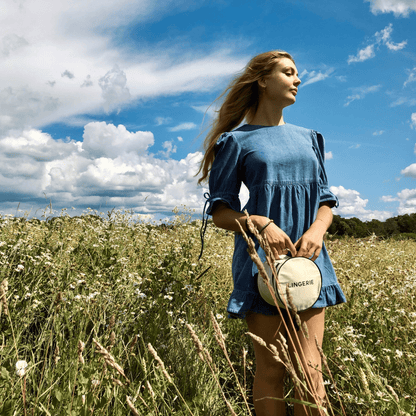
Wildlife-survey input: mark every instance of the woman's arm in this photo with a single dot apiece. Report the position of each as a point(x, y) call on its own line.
point(310, 244)
point(279, 241)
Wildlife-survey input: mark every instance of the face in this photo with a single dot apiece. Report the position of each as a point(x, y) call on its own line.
point(281, 86)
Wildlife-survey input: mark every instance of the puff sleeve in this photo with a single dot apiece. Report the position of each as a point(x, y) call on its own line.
point(225, 179)
point(325, 194)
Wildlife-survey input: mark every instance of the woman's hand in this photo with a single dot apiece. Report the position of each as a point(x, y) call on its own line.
point(310, 244)
point(279, 242)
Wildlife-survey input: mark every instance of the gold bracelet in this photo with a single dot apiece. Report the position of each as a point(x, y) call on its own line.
point(261, 229)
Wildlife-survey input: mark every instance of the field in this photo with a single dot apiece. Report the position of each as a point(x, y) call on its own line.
point(114, 316)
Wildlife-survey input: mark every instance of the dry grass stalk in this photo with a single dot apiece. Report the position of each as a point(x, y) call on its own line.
point(117, 382)
point(112, 340)
point(391, 390)
point(257, 339)
point(56, 356)
point(112, 322)
point(81, 346)
point(133, 342)
point(364, 381)
point(109, 359)
point(4, 285)
point(131, 406)
point(161, 363)
point(325, 363)
point(203, 353)
point(305, 330)
point(149, 387)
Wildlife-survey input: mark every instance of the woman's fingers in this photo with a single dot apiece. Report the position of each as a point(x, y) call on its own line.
point(279, 241)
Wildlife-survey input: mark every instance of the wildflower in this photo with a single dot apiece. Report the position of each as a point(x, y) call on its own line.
point(140, 294)
point(21, 368)
point(20, 268)
point(168, 297)
point(399, 354)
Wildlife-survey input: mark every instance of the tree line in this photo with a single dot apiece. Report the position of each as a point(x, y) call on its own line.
point(402, 225)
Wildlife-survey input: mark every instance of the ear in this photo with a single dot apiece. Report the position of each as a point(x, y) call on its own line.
point(262, 83)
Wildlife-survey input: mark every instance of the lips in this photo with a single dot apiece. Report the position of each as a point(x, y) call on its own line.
point(294, 91)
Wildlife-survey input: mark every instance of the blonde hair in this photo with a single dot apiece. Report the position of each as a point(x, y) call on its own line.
point(240, 102)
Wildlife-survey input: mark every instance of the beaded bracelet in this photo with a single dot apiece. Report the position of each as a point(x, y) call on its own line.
point(265, 226)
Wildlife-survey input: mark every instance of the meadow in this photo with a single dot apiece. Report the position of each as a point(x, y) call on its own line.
point(109, 315)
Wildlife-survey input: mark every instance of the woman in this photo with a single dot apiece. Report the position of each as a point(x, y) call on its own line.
point(282, 166)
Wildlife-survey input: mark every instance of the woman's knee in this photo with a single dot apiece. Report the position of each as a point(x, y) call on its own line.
point(270, 371)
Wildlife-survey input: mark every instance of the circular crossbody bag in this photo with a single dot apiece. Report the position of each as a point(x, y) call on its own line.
point(300, 275)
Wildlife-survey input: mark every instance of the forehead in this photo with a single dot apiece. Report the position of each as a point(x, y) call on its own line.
point(284, 63)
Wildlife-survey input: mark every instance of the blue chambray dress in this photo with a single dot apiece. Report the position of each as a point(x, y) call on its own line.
point(283, 168)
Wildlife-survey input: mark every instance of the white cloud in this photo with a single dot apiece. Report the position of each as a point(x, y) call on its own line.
point(314, 76)
point(411, 77)
point(169, 148)
point(352, 205)
point(398, 7)
point(328, 155)
point(360, 92)
point(183, 126)
point(409, 171)
point(406, 199)
point(380, 38)
point(114, 90)
point(362, 55)
point(413, 121)
point(378, 133)
point(180, 139)
point(162, 120)
point(404, 100)
point(111, 167)
point(384, 37)
point(39, 44)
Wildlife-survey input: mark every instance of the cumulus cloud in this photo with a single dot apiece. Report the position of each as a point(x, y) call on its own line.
point(361, 92)
point(352, 205)
point(406, 199)
point(410, 171)
point(383, 37)
point(110, 167)
point(398, 7)
point(114, 90)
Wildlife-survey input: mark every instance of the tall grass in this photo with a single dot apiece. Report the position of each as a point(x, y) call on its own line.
point(115, 316)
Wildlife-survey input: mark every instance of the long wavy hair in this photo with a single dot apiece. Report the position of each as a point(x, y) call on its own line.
point(241, 100)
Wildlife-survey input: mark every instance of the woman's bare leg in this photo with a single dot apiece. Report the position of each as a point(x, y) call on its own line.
point(315, 321)
point(269, 377)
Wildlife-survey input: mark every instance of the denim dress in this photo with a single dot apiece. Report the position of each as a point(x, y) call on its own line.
point(283, 169)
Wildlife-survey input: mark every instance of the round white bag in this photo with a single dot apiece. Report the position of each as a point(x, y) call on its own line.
point(301, 275)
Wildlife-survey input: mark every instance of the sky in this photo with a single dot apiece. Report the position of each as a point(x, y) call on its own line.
point(104, 104)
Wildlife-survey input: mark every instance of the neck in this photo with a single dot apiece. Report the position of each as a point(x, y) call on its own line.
point(267, 115)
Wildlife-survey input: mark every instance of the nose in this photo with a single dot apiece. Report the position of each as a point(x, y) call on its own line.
point(297, 81)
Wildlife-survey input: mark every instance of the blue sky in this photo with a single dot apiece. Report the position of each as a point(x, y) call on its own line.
point(102, 103)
